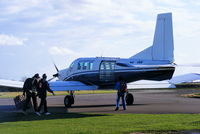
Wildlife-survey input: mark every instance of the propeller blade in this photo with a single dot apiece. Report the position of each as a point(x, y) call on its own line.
point(56, 67)
point(54, 64)
point(51, 79)
point(55, 75)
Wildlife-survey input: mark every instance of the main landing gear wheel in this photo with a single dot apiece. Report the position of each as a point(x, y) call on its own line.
point(68, 101)
point(129, 99)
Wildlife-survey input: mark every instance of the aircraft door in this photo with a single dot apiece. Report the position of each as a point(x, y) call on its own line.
point(106, 71)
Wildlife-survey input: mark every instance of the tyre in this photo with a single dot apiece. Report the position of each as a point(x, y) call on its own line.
point(129, 99)
point(68, 101)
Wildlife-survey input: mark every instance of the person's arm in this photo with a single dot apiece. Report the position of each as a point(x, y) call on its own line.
point(24, 87)
point(48, 88)
point(117, 86)
point(24, 92)
point(126, 87)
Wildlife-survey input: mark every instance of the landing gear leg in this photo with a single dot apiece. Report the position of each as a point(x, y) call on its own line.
point(69, 99)
point(129, 99)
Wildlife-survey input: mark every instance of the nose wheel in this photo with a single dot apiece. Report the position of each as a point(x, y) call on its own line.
point(68, 101)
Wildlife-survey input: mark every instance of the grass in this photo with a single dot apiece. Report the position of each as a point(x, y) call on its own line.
point(103, 91)
point(196, 95)
point(85, 123)
point(13, 94)
point(79, 123)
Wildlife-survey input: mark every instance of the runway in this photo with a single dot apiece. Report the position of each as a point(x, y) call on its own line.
point(146, 101)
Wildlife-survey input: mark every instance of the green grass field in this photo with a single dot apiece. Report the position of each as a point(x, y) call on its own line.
point(85, 123)
point(79, 123)
point(13, 94)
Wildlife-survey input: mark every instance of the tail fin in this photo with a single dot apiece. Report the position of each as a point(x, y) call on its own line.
point(163, 44)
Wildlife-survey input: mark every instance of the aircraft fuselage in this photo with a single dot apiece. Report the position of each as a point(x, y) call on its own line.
point(105, 71)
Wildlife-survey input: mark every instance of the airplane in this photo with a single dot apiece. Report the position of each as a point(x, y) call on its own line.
point(153, 63)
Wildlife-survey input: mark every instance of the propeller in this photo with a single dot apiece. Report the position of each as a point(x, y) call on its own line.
point(55, 75)
point(56, 67)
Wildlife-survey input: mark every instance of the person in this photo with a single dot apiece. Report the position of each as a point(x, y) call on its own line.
point(121, 87)
point(42, 93)
point(29, 90)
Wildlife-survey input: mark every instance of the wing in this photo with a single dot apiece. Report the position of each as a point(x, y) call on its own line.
point(184, 78)
point(10, 85)
point(70, 86)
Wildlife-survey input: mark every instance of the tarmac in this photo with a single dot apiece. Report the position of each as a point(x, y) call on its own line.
point(146, 102)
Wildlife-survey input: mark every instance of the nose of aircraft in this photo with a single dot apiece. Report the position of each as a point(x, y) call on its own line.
point(55, 75)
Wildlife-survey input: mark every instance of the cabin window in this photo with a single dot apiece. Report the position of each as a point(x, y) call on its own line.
point(90, 65)
point(112, 65)
point(85, 65)
point(107, 65)
point(80, 65)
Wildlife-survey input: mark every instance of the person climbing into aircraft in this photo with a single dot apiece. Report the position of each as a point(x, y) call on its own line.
point(29, 90)
point(121, 87)
point(42, 93)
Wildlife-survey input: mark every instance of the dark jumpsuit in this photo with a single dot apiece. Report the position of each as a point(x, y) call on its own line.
point(42, 93)
point(29, 89)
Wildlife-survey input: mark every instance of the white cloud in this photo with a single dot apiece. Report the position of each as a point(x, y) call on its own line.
point(55, 50)
point(175, 3)
point(10, 40)
point(97, 27)
point(16, 6)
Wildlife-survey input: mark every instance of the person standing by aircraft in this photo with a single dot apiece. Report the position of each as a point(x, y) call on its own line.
point(121, 87)
point(29, 90)
point(42, 93)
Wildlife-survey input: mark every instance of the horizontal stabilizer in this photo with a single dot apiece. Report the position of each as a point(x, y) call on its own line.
point(70, 86)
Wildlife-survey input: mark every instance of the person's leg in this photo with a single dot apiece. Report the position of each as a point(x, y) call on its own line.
point(45, 106)
point(28, 98)
point(41, 104)
point(34, 98)
point(124, 102)
point(117, 102)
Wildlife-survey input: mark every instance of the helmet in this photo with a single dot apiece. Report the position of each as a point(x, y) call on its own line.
point(44, 76)
point(36, 76)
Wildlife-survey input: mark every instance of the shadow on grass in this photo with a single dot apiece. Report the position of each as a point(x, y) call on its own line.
point(108, 105)
point(57, 113)
point(195, 131)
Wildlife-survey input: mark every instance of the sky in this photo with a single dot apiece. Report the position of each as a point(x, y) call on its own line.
point(35, 33)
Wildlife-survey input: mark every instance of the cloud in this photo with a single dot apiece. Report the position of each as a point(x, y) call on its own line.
point(16, 6)
point(10, 40)
point(55, 50)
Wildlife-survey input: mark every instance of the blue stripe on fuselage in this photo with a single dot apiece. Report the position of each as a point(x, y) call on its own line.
point(119, 71)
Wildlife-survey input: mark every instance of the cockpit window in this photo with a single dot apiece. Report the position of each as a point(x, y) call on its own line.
point(85, 65)
point(71, 66)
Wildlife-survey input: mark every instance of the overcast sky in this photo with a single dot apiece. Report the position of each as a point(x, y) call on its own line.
point(32, 32)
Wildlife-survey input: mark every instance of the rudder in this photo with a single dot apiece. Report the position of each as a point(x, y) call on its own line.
point(163, 44)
